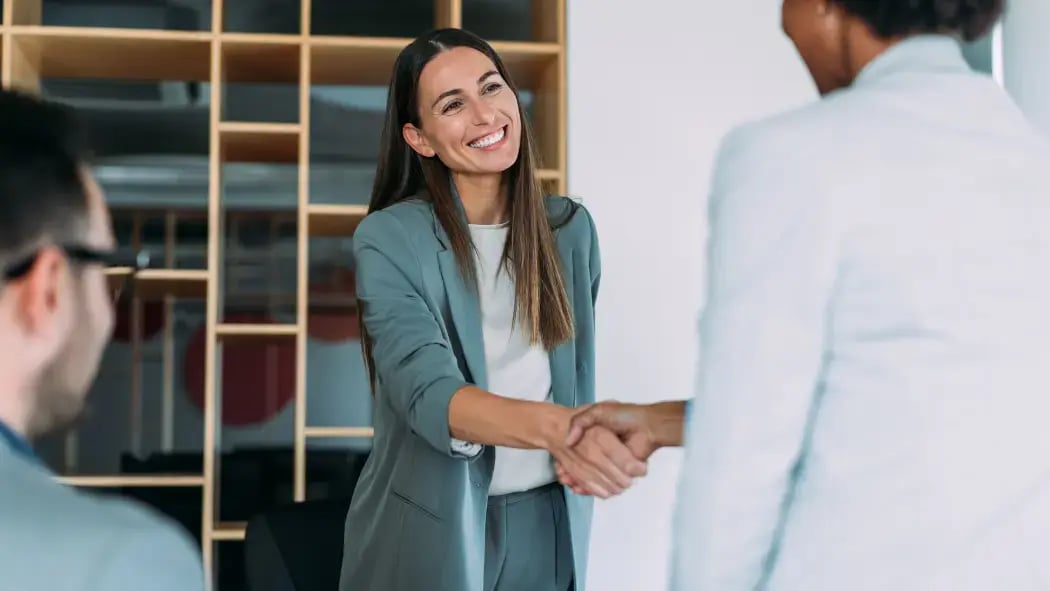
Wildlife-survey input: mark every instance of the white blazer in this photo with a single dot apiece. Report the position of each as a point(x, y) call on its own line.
point(873, 410)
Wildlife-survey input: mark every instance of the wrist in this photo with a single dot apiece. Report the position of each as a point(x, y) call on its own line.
point(552, 425)
point(667, 423)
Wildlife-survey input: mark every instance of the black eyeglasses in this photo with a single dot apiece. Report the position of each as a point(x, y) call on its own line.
point(85, 255)
point(134, 263)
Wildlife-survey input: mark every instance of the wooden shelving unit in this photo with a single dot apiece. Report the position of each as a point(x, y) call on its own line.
point(31, 52)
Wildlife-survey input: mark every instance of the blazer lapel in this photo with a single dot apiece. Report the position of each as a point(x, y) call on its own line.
point(466, 317)
point(463, 303)
point(563, 357)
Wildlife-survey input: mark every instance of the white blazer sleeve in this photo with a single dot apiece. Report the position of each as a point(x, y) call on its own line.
point(771, 268)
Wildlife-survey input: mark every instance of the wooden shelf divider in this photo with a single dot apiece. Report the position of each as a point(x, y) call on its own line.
point(134, 481)
point(254, 333)
point(338, 432)
point(212, 439)
point(157, 283)
point(228, 532)
point(302, 271)
point(448, 13)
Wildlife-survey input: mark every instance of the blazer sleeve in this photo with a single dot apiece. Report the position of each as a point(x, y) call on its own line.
point(414, 362)
point(771, 269)
point(157, 558)
point(595, 258)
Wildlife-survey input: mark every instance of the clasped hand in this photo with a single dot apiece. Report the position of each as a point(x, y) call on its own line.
point(605, 447)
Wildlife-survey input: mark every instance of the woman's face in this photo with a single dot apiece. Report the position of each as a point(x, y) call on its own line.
point(468, 114)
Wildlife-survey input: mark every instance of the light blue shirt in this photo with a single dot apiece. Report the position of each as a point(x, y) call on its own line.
point(56, 538)
point(875, 376)
point(16, 442)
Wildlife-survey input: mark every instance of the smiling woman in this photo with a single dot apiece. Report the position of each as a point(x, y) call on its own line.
point(476, 297)
point(485, 143)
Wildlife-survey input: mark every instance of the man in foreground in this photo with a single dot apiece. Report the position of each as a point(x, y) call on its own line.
point(56, 315)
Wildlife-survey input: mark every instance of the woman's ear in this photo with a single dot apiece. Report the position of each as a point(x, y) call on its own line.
point(416, 140)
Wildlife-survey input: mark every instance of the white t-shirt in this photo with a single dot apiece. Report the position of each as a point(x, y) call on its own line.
point(515, 368)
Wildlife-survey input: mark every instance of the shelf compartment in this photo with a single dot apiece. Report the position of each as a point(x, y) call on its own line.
point(250, 57)
point(369, 61)
point(518, 20)
point(386, 18)
point(134, 481)
point(260, 142)
point(114, 54)
point(151, 284)
point(327, 220)
point(255, 333)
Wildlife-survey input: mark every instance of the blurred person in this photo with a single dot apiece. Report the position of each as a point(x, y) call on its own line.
point(871, 412)
point(56, 316)
point(477, 297)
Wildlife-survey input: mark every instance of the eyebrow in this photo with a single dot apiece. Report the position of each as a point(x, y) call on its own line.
point(454, 91)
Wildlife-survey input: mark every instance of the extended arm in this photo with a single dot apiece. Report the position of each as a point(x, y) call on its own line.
point(418, 370)
point(484, 417)
point(771, 269)
point(646, 427)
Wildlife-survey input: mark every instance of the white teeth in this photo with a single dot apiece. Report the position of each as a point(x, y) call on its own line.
point(488, 140)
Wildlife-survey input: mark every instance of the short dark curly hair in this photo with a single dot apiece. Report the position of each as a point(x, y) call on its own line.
point(969, 19)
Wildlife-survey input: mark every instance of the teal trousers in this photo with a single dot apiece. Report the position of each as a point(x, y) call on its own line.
point(528, 547)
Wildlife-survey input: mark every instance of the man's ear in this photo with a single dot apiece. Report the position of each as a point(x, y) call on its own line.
point(417, 141)
point(39, 294)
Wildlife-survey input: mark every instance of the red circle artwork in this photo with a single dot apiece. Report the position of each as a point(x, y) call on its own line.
point(258, 379)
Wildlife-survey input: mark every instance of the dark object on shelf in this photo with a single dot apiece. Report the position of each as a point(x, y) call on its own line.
point(296, 547)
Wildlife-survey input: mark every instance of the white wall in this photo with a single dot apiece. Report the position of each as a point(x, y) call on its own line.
point(1026, 58)
point(653, 86)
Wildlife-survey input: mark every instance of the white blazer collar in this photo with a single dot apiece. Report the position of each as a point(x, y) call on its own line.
point(920, 53)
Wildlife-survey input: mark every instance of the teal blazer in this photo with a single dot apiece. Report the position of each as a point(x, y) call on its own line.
point(417, 519)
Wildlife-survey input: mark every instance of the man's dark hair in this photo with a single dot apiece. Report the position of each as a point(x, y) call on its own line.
point(42, 194)
point(968, 19)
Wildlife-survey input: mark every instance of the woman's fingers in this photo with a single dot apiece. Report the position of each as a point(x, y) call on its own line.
point(603, 469)
point(620, 454)
point(586, 475)
point(568, 480)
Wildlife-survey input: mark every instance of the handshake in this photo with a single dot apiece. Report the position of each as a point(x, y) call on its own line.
point(607, 445)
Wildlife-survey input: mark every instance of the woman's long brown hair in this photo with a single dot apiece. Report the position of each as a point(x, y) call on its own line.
point(531, 256)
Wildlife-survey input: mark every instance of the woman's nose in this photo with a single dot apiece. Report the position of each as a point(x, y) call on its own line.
point(484, 114)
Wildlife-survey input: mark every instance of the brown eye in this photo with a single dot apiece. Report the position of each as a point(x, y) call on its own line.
point(451, 106)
